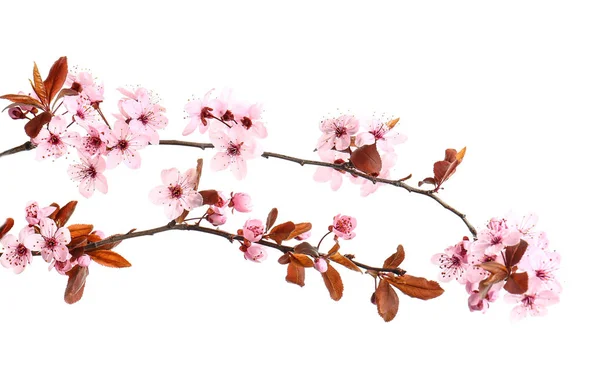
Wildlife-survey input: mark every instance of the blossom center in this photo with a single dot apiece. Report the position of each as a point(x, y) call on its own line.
point(247, 123)
point(51, 243)
point(205, 114)
point(53, 139)
point(91, 172)
point(144, 119)
point(123, 144)
point(176, 191)
point(21, 250)
point(234, 150)
point(496, 240)
point(227, 116)
point(378, 133)
point(344, 225)
point(340, 131)
point(542, 275)
point(528, 301)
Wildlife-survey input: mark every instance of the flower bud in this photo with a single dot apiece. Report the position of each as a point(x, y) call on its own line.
point(241, 202)
point(321, 265)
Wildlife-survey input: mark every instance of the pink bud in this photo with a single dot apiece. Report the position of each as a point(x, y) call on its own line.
point(16, 113)
point(216, 218)
point(100, 234)
point(241, 202)
point(303, 236)
point(321, 265)
point(256, 253)
point(84, 260)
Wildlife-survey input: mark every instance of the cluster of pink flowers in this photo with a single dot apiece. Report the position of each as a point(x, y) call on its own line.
point(98, 145)
point(41, 235)
point(233, 128)
point(343, 133)
point(462, 262)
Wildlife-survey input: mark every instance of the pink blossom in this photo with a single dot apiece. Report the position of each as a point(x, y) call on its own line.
point(337, 132)
point(52, 142)
point(16, 113)
point(124, 146)
point(80, 109)
point(253, 230)
point(380, 133)
point(51, 241)
point(33, 213)
point(95, 142)
point(541, 267)
point(222, 106)
point(200, 113)
point(89, 174)
point(86, 85)
point(249, 118)
point(216, 216)
point(16, 255)
point(256, 253)
point(177, 192)
point(454, 263)
point(233, 147)
point(475, 273)
point(241, 202)
point(496, 237)
point(326, 174)
point(143, 116)
point(62, 267)
point(343, 226)
point(321, 264)
point(533, 304)
point(478, 303)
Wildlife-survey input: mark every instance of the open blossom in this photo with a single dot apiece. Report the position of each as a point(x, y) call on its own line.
point(95, 140)
point(326, 174)
point(233, 147)
point(144, 117)
point(343, 226)
point(541, 267)
point(454, 262)
point(533, 304)
point(200, 113)
point(337, 132)
point(177, 192)
point(124, 146)
point(51, 241)
point(379, 132)
point(253, 230)
point(53, 141)
point(62, 267)
point(86, 85)
point(80, 109)
point(496, 237)
point(249, 118)
point(33, 212)
point(89, 174)
point(256, 253)
point(16, 255)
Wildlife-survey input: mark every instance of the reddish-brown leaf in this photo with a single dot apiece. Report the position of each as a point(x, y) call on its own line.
point(302, 259)
point(367, 159)
point(514, 253)
point(56, 77)
point(498, 273)
point(333, 250)
point(209, 197)
point(387, 301)
point(65, 213)
point(306, 248)
point(78, 230)
point(442, 170)
point(55, 212)
point(284, 259)
point(346, 262)
point(416, 287)
point(66, 92)
point(38, 85)
point(391, 123)
point(35, 125)
point(93, 237)
point(5, 228)
point(333, 282)
point(271, 218)
point(395, 259)
point(75, 284)
point(109, 258)
point(300, 228)
point(280, 232)
point(23, 99)
point(295, 273)
point(517, 283)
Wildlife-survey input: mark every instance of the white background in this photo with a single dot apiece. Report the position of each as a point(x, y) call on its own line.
point(516, 82)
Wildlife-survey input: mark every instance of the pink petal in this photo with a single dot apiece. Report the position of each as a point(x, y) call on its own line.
point(101, 183)
point(169, 177)
point(219, 161)
point(160, 195)
point(239, 168)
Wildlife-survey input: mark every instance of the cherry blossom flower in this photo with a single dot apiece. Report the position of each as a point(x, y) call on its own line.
point(53, 141)
point(326, 174)
point(321, 264)
point(89, 174)
point(541, 267)
point(303, 236)
point(343, 226)
point(80, 110)
point(454, 262)
point(495, 237)
point(256, 253)
point(253, 230)
point(124, 146)
point(16, 255)
point(200, 113)
point(249, 118)
point(380, 133)
point(241, 202)
point(62, 267)
point(177, 192)
point(143, 116)
point(51, 241)
point(33, 212)
point(531, 303)
point(216, 216)
point(86, 85)
point(95, 140)
point(233, 148)
point(337, 132)
point(222, 106)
